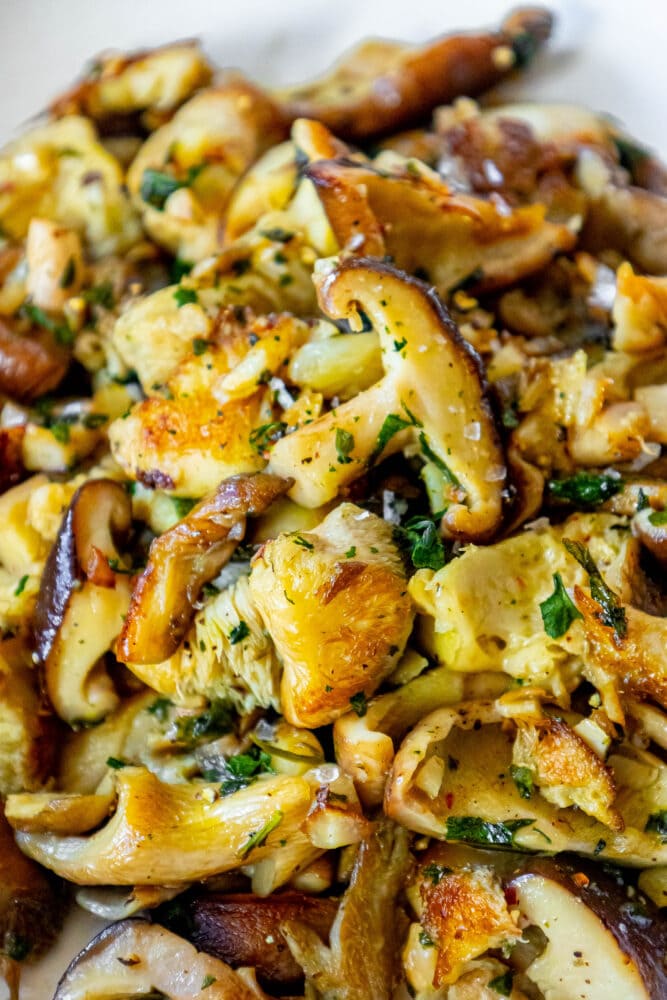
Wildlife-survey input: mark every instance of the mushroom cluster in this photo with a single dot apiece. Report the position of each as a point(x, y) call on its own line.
point(333, 534)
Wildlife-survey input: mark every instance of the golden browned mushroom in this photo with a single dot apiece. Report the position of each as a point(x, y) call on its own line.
point(243, 929)
point(136, 959)
point(163, 834)
point(82, 600)
point(362, 958)
point(383, 86)
point(630, 220)
point(183, 559)
point(31, 364)
point(409, 213)
point(432, 395)
point(122, 84)
point(652, 533)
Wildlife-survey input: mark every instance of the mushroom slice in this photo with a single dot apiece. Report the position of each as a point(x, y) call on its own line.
point(31, 364)
point(30, 906)
point(82, 600)
point(122, 84)
point(630, 220)
point(362, 959)
point(244, 930)
point(136, 959)
point(382, 86)
point(408, 212)
point(602, 942)
point(433, 392)
point(365, 744)
point(183, 559)
point(452, 780)
point(652, 533)
point(166, 833)
point(58, 812)
point(635, 660)
point(335, 603)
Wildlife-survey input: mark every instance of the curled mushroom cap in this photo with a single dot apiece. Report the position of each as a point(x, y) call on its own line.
point(183, 559)
point(433, 393)
point(30, 364)
point(135, 959)
point(408, 212)
point(382, 86)
point(166, 833)
point(82, 600)
point(652, 533)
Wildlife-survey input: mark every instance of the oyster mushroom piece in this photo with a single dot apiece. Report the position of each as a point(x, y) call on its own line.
point(652, 533)
point(382, 86)
point(163, 834)
point(432, 395)
point(335, 603)
point(136, 959)
point(82, 600)
point(183, 559)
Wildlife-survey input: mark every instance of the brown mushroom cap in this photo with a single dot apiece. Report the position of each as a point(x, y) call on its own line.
point(30, 364)
point(383, 86)
point(186, 557)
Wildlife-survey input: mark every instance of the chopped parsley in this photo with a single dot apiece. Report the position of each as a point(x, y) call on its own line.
point(259, 838)
point(239, 633)
point(60, 330)
point(216, 720)
point(558, 610)
point(160, 708)
point(207, 981)
point(392, 424)
point(20, 586)
point(116, 763)
point(502, 984)
point(658, 518)
point(182, 506)
point(435, 873)
point(199, 346)
point(242, 770)
point(179, 268)
point(93, 421)
point(657, 823)
point(156, 185)
point(613, 612)
point(344, 445)
point(184, 296)
point(474, 830)
point(429, 454)
point(277, 234)
point(400, 344)
point(60, 430)
point(359, 703)
point(421, 540)
point(303, 542)
point(425, 939)
point(523, 779)
point(585, 489)
point(267, 434)
point(351, 552)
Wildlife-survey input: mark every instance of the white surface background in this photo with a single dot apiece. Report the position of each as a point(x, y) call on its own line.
point(608, 54)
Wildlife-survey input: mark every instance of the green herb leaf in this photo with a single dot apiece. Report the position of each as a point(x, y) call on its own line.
point(60, 430)
point(184, 296)
point(400, 344)
point(20, 586)
point(60, 330)
point(642, 500)
point(16, 946)
point(523, 779)
point(242, 770)
point(658, 518)
point(558, 610)
point(435, 873)
point(160, 708)
point(351, 552)
point(630, 154)
point(93, 421)
point(100, 295)
point(502, 984)
point(657, 823)
point(585, 489)
point(344, 445)
point(421, 539)
point(200, 346)
point(428, 453)
point(613, 612)
point(262, 437)
point(182, 506)
point(207, 981)
point(425, 939)
point(156, 186)
point(116, 763)
point(258, 838)
point(69, 274)
point(277, 234)
point(217, 720)
point(239, 633)
point(359, 703)
point(179, 268)
point(392, 424)
point(474, 830)
point(303, 542)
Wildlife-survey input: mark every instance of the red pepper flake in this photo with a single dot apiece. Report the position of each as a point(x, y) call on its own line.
point(449, 799)
point(511, 897)
point(581, 880)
